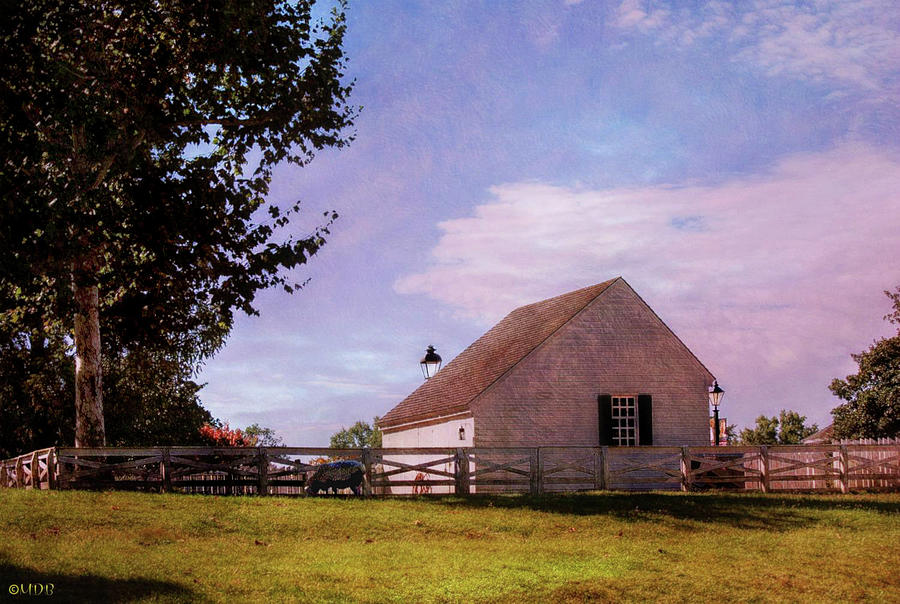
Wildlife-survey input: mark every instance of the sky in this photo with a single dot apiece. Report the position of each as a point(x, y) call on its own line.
point(738, 164)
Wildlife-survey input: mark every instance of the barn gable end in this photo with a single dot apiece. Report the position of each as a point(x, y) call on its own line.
point(616, 345)
point(538, 377)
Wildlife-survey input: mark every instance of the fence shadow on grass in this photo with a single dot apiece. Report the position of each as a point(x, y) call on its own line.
point(87, 587)
point(771, 513)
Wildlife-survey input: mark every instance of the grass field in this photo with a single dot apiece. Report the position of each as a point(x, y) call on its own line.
point(113, 547)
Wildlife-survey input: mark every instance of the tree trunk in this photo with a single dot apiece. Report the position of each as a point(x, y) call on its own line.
point(89, 428)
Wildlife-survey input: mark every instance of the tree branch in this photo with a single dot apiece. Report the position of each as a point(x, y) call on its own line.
point(108, 162)
point(224, 121)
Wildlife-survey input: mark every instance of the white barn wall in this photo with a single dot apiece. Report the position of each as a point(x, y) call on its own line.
point(442, 434)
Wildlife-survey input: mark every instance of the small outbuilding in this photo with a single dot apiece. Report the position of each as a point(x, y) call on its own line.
point(593, 367)
point(825, 436)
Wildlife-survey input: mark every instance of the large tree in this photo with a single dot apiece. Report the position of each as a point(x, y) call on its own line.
point(872, 394)
point(138, 142)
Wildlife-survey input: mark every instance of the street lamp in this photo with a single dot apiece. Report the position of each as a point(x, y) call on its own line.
point(715, 397)
point(430, 363)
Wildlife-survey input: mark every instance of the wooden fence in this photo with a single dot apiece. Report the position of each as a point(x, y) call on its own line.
point(399, 471)
point(36, 470)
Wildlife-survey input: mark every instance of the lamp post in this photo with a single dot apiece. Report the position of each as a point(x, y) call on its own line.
point(430, 363)
point(715, 397)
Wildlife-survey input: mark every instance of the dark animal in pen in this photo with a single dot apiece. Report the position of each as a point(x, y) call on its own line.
point(336, 475)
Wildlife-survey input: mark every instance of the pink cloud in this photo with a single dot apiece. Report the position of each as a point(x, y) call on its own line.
point(772, 279)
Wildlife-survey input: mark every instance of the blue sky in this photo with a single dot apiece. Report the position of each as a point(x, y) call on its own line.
point(737, 163)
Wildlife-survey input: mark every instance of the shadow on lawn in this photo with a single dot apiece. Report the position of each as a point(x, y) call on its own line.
point(86, 587)
point(774, 513)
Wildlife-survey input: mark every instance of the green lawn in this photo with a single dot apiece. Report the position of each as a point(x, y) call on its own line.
point(112, 547)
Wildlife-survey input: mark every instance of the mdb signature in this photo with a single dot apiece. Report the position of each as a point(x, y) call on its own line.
point(31, 589)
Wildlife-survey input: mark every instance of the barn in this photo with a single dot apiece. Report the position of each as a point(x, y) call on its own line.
point(592, 367)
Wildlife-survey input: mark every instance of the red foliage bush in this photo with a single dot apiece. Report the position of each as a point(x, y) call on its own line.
point(223, 436)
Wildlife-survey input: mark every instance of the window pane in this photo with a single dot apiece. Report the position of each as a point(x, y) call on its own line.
point(624, 414)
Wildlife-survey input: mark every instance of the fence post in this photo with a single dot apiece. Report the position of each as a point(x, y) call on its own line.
point(51, 469)
point(367, 464)
point(534, 472)
point(35, 471)
point(467, 486)
point(845, 469)
point(229, 482)
point(20, 473)
point(764, 468)
point(60, 479)
point(598, 472)
point(540, 457)
point(686, 477)
point(604, 469)
point(462, 472)
point(165, 472)
point(262, 470)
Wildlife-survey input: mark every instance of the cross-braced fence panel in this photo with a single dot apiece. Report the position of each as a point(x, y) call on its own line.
point(415, 471)
point(875, 467)
point(733, 468)
point(504, 469)
point(644, 468)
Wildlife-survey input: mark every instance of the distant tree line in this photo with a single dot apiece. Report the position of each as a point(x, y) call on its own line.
point(358, 436)
point(872, 398)
point(788, 428)
point(216, 434)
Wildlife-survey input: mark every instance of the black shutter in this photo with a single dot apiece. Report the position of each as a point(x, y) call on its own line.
point(604, 412)
point(645, 418)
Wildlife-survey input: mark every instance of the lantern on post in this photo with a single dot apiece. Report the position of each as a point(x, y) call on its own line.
point(715, 397)
point(430, 363)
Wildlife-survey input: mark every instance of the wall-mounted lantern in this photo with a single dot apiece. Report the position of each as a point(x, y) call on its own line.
point(462, 433)
point(431, 363)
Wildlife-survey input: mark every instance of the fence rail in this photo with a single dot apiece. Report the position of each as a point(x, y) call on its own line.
point(399, 471)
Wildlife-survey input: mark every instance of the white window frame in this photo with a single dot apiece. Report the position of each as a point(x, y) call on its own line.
point(625, 420)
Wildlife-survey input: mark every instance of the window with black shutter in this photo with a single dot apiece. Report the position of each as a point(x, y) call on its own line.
point(604, 412)
point(626, 420)
point(645, 419)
